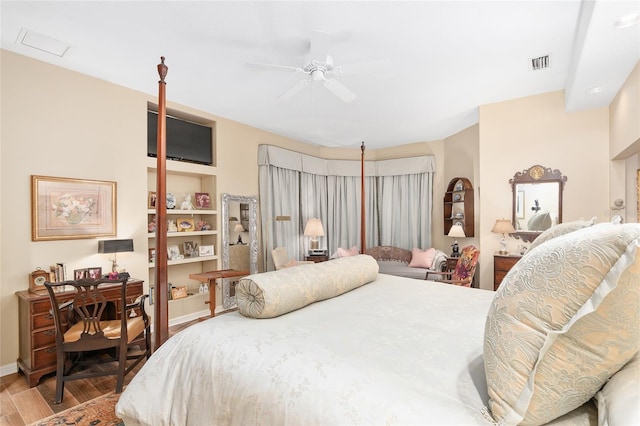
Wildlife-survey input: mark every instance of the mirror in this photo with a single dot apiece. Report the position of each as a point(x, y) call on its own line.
point(239, 240)
point(537, 201)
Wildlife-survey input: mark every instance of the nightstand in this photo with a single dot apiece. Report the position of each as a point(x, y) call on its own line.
point(502, 263)
point(451, 263)
point(317, 258)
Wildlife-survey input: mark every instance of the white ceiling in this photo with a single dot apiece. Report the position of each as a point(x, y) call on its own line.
point(438, 60)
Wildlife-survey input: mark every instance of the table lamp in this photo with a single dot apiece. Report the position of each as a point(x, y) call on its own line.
point(239, 228)
point(503, 226)
point(314, 230)
point(456, 231)
point(115, 247)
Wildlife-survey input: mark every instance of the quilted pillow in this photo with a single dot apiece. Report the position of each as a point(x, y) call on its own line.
point(561, 229)
point(564, 320)
point(270, 294)
point(348, 252)
point(422, 259)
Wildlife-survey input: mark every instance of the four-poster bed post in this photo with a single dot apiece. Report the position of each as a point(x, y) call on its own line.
point(161, 310)
point(362, 203)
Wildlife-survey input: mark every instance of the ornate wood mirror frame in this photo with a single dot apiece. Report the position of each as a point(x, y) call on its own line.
point(537, 201)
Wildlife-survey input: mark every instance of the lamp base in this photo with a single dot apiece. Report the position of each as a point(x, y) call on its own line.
point(503, 252)
point(313, 244)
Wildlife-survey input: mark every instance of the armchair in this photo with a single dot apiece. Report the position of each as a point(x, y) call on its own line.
point(281, 259)
point(85, 324)
point(465, 269)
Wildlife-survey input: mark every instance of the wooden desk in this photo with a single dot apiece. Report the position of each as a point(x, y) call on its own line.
point(37, 334)
point(210, 279)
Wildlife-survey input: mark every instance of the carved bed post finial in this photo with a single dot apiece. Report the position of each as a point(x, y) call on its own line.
point(162, 69)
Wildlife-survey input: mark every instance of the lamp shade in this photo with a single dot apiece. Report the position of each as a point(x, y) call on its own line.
point(503, 226)
point(456, 231)
point(115, 246)
point(314, 228)
point(238, 228)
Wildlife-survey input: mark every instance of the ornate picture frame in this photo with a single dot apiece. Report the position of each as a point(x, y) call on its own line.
point(67, 208)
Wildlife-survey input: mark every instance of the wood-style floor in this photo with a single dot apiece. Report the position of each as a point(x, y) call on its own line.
point(21, 405)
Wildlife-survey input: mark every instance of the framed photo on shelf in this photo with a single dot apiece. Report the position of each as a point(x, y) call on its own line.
point(205, 251)
point(173, 252)
point(65, 208)
point(202, 200)
point(190, 249)
point(152, 255)
point(151, 201)
point(186, 225)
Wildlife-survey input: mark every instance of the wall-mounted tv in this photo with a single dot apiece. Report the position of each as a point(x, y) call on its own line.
point(186, 141)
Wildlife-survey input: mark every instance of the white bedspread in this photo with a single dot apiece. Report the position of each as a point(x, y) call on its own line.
point(394, 351)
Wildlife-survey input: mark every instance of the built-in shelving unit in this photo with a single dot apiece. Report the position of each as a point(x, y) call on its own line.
point(458, 206)
point(182, 179)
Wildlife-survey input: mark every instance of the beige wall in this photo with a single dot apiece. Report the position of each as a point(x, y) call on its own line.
point(517, 134)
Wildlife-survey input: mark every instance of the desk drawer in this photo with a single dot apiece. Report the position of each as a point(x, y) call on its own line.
point(44, 337)
point(44, 357)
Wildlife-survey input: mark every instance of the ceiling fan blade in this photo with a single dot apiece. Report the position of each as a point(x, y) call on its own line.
point(273, 67)
point(365, 67)
point(319, 45)
point(339, 90)
point(294, 90)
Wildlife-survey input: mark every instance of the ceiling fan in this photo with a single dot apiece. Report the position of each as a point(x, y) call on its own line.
point(320, 68)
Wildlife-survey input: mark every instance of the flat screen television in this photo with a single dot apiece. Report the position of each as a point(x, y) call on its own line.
point(186, 141)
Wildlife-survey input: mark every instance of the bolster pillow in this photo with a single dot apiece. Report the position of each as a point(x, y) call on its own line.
point(270, 294)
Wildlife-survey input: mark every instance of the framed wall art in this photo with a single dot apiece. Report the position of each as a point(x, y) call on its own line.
point(65, 208)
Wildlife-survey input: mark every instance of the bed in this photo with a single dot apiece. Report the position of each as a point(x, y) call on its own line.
point(339, 343)
point(394, 351)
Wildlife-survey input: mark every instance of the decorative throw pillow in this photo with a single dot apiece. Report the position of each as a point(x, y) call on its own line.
point(564, 320)
point(274, 293)
point(422, 259)
point(348, 252)
point(619, 400)
point(561, 229)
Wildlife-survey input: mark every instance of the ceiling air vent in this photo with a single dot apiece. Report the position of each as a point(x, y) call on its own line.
point(539, 63)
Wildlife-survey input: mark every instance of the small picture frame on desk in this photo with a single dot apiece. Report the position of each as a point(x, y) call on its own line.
point(94, 273)
point(79, 274)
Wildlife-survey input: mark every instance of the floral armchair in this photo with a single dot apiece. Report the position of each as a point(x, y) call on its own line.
point(462, 274)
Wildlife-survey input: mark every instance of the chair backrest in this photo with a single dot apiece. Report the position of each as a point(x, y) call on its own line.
point(89, 311)
point(280, 257)
point(466, 266)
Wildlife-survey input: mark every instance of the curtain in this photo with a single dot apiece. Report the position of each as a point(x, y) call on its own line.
point(398, 201)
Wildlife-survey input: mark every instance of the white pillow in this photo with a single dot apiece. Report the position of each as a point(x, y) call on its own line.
point(619, 399)
point(348, 252)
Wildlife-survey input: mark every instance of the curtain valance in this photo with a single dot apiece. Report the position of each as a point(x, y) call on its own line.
point(292, 160)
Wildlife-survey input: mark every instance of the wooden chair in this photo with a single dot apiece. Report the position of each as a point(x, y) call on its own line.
point(86, 324)
point(281, 259)
point(465, 269)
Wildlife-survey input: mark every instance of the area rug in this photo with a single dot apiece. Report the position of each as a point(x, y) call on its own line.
point(99, 411)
